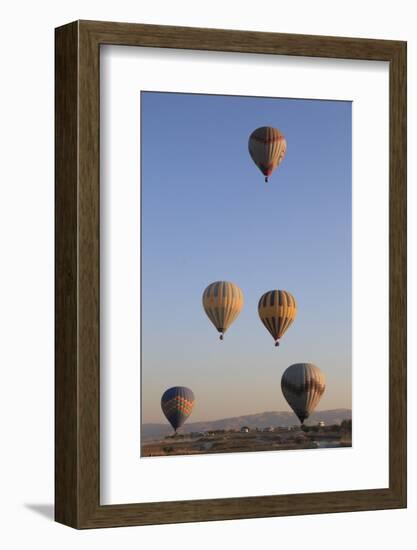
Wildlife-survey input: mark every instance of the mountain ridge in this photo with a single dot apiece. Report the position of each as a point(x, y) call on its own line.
point(258, 420)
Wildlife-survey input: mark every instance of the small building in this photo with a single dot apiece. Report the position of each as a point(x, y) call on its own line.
point(321, 424)
point(244, 429)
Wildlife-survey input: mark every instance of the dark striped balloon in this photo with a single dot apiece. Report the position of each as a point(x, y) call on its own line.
point(177, 404)
point(277, 310)
point(303, 385)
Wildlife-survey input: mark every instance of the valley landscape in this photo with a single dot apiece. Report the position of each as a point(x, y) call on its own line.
point(258, 432)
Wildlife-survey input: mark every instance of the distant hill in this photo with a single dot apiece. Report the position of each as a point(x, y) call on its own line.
point(261, 420)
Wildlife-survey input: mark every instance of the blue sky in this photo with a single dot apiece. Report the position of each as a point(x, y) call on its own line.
point(207, 215)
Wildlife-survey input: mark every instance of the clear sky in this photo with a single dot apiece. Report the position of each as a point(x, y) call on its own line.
point(207, 215)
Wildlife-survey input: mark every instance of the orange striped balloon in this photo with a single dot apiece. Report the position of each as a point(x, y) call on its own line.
point(222, 302)
point(277, 310)
point(267, 147)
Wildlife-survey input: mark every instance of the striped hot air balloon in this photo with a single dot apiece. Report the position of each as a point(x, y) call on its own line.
point(277, 310)
point(267, 147)
point(303, 384)
point(177, 404)
point(222, 301)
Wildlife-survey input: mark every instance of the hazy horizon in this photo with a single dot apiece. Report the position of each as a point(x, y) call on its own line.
point(287, 410)
point(207, 215)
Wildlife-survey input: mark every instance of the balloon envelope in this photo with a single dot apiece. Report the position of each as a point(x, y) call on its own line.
point(177, 404)
point(277, 310)
point(222, 302)
point(267, 147)
point(303, 385)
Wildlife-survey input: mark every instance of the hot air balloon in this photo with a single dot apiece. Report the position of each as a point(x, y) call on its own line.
point(303, 384)
point(277, 310)
point(267, 147)
point(222, 301)
point(177, 404)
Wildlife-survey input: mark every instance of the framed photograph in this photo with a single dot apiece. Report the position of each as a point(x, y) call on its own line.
point(230, 274)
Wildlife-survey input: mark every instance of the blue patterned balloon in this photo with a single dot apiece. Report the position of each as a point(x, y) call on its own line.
point(177, 404)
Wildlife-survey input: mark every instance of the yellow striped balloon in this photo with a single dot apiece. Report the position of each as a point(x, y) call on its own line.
point(222, 302)
point(277, 310)
point(267, 147)
point(303, 385)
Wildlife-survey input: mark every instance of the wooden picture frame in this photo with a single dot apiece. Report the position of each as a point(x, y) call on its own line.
point(77, 406)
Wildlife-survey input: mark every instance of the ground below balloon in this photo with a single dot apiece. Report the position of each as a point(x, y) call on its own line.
point(250, 438)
